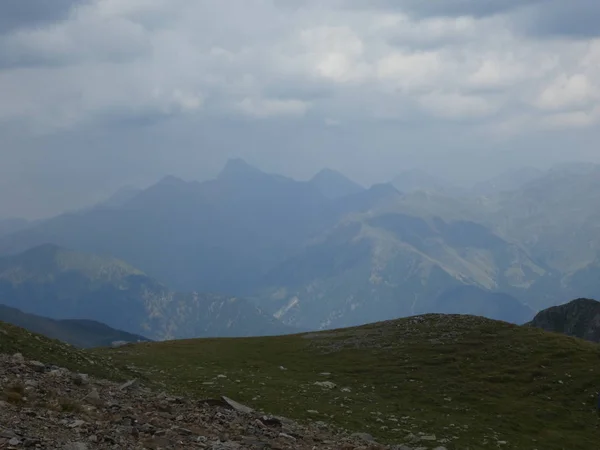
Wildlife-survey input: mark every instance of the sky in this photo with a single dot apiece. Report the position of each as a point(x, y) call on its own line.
point(97, 94)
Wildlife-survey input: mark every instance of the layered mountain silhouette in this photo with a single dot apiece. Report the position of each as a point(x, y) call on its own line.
point(61, 284)
point(319, 253)
point(77, 332)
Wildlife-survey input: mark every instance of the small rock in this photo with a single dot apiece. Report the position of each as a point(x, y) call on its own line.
point(18, 358)
point(237, 406)
point(93, 398)
point(128, 385)
point(326, 384)
point(431, 437)
point(81, 379)
point(76, 423)
point(14, 442)
point(287, 436)
point(38, 366)
point(363, 437)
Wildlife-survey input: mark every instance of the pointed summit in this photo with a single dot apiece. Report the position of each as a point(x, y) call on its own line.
point(334, 185)
point(238, 168)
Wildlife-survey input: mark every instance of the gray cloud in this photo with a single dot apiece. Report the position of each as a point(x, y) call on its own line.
point(444, 8)
point(578, 19)
point(575, 18)
point(116, 92)
point(17, 14)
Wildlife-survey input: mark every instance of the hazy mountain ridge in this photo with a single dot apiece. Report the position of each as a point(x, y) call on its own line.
point(79, 333)
point(62, 284)
point(391, 265)
point(369, 255)
point(218, 235)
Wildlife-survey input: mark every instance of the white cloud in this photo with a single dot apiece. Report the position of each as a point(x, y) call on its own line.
point(567, 92)
point(407, 70)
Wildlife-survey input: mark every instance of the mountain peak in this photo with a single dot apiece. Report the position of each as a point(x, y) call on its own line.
point(170, 180)
point(236, 167)
point(334, 184)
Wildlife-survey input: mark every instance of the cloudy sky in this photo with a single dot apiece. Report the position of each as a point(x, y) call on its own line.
point(95, 94)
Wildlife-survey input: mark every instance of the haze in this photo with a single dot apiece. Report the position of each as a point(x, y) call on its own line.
point(104, 93)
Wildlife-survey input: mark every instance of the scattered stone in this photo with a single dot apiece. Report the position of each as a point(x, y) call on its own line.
point(364, 437)
point(237, 406)
point(287, 436)
point(326, 384)
point(128, 384)
point(73, 411)
point(38, 366)
point(76, 423)
point(428, 438)
point(81, 379)
point(93, 398)
point(18, 358)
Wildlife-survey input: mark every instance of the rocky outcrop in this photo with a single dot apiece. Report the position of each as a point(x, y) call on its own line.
point(44, 406)
point(579, 318)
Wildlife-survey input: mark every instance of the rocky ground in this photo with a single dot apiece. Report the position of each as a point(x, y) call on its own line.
point(47, 407)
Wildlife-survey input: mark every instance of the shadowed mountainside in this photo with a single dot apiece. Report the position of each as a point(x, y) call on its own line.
point(79, 333)
point(579, 318)
point(63, 284)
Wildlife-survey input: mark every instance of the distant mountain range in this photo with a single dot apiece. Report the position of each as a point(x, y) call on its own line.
point(79, 333)
point(60, 284)
point(313, 254)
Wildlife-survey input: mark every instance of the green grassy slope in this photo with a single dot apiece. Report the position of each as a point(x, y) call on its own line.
point(473, 382)
point(36, 347)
